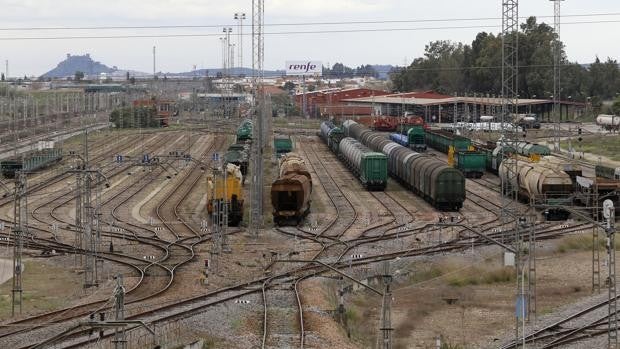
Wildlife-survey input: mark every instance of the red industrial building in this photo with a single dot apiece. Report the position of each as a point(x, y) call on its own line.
point(164, 108)
point(330, 102)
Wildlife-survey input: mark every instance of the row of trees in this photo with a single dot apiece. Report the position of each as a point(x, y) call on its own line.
point(130, 117)
point(450, 67)
point(339, 71)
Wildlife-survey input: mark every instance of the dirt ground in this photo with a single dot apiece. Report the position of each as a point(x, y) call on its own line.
point(467, 300)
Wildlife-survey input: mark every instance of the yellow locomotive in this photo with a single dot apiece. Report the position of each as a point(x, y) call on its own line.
point(229, 188)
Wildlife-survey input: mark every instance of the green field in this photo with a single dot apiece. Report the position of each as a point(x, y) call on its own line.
point(604, 146)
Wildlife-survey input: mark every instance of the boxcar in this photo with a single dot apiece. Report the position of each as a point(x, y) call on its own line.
point(370, 167)
point(471, 163)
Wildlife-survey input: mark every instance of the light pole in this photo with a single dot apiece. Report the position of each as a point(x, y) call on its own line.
point(240, 16)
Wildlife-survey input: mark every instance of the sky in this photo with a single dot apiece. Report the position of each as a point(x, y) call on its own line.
point(406, 26)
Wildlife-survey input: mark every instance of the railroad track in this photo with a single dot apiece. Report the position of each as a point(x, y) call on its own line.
point(135, 296)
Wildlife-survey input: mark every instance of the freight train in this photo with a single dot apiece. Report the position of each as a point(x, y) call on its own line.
point(229, 189)
point(291, 191)
point(368, 166)
point(29, 162)
point(442, 186)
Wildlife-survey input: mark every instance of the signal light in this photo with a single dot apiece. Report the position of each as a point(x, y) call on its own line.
point(579, 130)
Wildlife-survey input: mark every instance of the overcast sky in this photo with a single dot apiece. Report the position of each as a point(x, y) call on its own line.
point(391, 43)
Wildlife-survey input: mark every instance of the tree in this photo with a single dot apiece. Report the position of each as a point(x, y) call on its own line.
point(132, 80)
point(78, 75)
point(2, 78)
point(289, 86)
point(615, 107)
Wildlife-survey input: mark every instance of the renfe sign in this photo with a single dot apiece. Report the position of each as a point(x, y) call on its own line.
point(304, 68)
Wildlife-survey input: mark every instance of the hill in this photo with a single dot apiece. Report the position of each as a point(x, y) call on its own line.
point(83, 63)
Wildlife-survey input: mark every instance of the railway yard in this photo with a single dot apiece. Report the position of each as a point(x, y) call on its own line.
point(467, 198)
point(317, 282)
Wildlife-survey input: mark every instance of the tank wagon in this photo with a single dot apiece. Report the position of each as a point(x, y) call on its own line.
point(528, 149)
point(290, 192)
point(30, 161)
point(607, 172)
point(442, 186)
point(229, 189)
point(244, 132)
point(370, 167)
point(538, 183)
point(608, 122)
point(282, 144)
point(400, 139)
point(331, 135)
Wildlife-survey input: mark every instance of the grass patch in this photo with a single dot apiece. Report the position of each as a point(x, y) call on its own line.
point(45, 287)
point(482, 276)
point(608, 146)
point(582, 242)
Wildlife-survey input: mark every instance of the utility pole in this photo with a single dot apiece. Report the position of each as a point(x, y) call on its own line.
point(240, 17)
point(610, 229)
point(120, 341)
point(386, 309)
point(511, 214)
point(20, 228)
point(154, 66)
point(557, 87)
point(258, 56)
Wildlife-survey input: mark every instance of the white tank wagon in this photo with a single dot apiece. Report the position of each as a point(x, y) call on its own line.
point(541, 183)
point(608, 122)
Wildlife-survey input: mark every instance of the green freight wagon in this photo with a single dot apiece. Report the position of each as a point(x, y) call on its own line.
point(417, 138)
point(373, 170)
point(282, 144)
point(369, 166)
point(471, 163)
point(442, 140)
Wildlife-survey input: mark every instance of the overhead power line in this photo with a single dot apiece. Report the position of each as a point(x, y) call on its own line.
point(218, 26)
point(337, 31)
